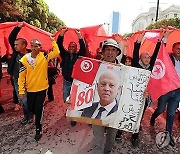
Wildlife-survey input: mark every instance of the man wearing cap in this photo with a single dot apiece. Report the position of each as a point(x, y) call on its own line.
point(110, 50)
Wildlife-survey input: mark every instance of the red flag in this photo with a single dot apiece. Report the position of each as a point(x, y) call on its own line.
point(27, 32)
point(85, 69)
point(164, 77)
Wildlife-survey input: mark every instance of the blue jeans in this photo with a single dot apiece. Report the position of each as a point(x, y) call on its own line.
point(23, 101)
point(170, 99)
point(66, 89)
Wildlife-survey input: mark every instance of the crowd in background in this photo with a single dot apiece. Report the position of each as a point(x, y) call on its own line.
point(33, 73)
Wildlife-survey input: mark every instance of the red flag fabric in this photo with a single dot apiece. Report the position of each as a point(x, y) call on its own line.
point(85, 69)
point(172, 38)
point(163, 77)
point(28, 32)
point(94, 42)
point(92, 35)
point(69, 36)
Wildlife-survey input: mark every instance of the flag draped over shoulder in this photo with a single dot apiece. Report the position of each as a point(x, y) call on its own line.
point(85, 69)
point(163, 77)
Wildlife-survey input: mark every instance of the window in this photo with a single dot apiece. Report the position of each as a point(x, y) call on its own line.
point(175, 15)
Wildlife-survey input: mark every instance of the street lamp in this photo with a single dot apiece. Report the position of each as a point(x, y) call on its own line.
point(157, 10)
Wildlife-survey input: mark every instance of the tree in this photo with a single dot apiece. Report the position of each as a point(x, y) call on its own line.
point(34, 12)
point(174, 22)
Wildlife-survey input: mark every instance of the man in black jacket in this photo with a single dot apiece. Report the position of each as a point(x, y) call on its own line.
point(69, 58)
point(18, 46)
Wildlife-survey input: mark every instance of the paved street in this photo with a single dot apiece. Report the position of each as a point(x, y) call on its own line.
point(59, 137)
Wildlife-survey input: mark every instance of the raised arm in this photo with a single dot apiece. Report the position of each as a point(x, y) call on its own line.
point(55, 52)
point(13, 35)
point(123, 60)
point(163, 36)
point(60, 41)
point(137, 46)
point(82, 44)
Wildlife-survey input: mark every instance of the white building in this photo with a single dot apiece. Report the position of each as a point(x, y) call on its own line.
point(145, 19)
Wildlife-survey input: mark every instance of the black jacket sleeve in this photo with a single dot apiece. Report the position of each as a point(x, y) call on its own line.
point(60, 45)
point(135, 59)
point(12, 37)
point(154, 56)
point(82, 49)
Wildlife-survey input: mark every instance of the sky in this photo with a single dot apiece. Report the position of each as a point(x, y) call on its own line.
point(84, 13)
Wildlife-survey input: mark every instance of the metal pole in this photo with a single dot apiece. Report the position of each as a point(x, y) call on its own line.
point(157, 10)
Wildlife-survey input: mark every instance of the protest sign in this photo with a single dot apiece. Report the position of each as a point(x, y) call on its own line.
point(114, 98)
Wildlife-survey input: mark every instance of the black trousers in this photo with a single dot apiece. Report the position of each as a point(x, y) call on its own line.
point(35, 102)
point(50, 93)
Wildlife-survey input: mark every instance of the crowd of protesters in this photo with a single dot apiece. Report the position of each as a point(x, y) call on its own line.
point(33, 72)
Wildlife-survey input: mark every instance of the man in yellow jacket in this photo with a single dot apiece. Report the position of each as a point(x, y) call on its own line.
point(33, 77)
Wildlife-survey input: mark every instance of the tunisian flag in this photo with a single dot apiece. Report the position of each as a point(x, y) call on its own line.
point(85, 69)
point(163, 77)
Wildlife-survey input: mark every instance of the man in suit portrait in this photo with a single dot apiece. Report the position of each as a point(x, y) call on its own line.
point(108, 87)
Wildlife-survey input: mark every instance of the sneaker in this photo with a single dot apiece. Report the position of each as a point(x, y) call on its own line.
point(73, 123)
point(118, 136)
point(38, 135)
point(25, 120)
point(135, 142)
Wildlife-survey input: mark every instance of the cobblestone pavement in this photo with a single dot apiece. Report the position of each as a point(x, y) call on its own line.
point(59, 137)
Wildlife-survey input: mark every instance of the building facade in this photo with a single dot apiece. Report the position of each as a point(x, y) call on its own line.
point(145, 19)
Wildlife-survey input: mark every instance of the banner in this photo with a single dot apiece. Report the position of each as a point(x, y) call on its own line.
point(113, 99)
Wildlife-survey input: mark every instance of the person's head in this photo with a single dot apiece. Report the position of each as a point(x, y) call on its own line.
point(110, 50)
point(72, 47)
point(145, 58)
point(176, 50)
point(108, 87)
point(36, 46)
point(20, 45)
point(128, 61)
